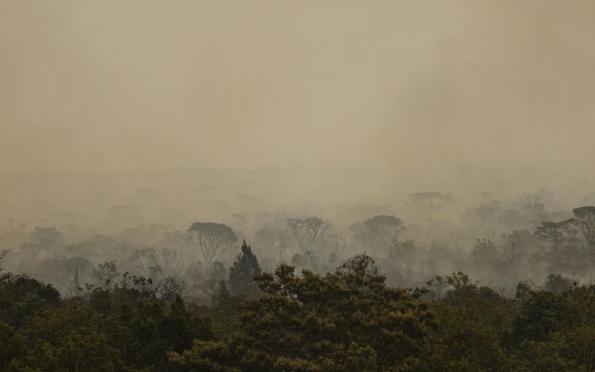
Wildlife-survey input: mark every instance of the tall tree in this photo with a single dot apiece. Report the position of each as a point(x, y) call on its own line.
point(308, 232)
point(584, 221)
point(557, 233)
point(242, 273)
point(378, 231)
point(213, 239)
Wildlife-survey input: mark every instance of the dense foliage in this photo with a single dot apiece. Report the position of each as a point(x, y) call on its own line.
point(348, 320)
point(153, 299)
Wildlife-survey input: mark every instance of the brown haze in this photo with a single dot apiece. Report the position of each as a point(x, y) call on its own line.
point(416, 86)
point(125, 122)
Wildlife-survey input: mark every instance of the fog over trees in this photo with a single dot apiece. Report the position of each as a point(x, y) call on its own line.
point(498, 280)
point(297, 186)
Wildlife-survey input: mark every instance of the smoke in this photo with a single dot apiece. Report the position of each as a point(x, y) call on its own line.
point(413, 86)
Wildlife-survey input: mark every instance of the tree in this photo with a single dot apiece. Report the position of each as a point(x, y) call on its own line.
point(106, 272)
point(473, 321)
point(215, 275)
point(213, 239)
point(345, 321)
point(584, 221)
point(13, 345)
point(556, 283)
point(21, 297)
point(3, 254)
point(78, 269)
point(242, 273)
point(28, 252)
point(48, 238)
point(484, 251)
point(172, 287)
point(69, 338)
point(429, 199)
point(541, 315)
point(308, 232)
point(534, 209)
point(378, 231)
point(144, 258)
point(555, 233)
point(224, 303)
point(179, 327)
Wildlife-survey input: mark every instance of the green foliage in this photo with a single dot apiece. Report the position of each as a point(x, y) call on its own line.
point(70, 338)
point(348, 320)
point(541, 314)
point(21, 297)
point(331, 323)
point(12, 345)
point(473, 324)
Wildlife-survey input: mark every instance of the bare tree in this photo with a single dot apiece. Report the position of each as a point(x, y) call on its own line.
point(80, 268)
point(308, 232)
point(172, 287)
point(213, 239)
point(75, 287)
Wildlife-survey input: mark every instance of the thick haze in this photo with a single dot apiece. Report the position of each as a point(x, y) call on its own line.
point(125, 85)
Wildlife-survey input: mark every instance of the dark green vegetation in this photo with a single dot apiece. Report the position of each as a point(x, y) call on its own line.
point(154, 299)
point(348, 320)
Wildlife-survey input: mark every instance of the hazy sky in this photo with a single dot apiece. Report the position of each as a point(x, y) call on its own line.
point(122, 85)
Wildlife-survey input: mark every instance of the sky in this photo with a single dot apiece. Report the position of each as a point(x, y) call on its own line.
point(116, 86)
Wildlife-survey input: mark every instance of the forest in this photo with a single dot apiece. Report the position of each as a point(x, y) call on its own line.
point(297, 186)
point(432, 281)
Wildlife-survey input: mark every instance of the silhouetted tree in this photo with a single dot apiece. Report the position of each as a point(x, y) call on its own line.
point(555, 233)
point(308, 232)
point(378, 231)
point(584, 221)
point(557, 283)
point(106, 272)
point(242, 273)
point(213, 239)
